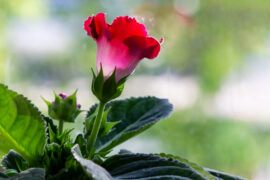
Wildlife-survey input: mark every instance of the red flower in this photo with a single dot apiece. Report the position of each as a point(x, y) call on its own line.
point(120, 45)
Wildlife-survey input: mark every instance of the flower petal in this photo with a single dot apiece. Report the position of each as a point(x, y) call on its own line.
point(124, 27)
point(96, 26)
point(143, 46)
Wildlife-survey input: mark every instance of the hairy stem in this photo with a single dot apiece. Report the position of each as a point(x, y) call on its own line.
point(95, 130)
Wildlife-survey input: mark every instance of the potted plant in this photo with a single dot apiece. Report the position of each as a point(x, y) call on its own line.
point(38, 149)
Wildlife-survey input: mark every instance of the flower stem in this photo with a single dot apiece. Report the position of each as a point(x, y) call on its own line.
point(61, 126)
point(95, 130)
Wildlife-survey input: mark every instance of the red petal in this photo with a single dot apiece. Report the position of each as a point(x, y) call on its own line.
point(143, 46)
point(96, 26)
point(124, 27)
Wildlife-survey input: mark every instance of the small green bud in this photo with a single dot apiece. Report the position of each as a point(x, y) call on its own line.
point(64, 107)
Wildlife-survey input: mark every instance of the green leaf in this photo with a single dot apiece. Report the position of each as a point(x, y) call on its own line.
point(11, 172)
point(89, 123)
point(14, 161)
point(205, 172)
point(221, 175)
point(29, 174)
point(107, 127)
point(135, 116)
point(92, 170)
point(194, 166)
point(21, 125)
point(148, 166)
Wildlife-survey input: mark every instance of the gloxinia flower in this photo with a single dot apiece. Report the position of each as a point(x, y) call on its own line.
point(120, 45)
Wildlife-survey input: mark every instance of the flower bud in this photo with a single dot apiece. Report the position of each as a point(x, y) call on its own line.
point(64, 107)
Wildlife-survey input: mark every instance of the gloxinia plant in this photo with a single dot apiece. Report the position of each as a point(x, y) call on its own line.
point(37, 149)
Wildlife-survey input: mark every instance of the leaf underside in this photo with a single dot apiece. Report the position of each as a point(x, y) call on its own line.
point(13, 160)
point(93, 170)
point(135, 116)
point(21, 125)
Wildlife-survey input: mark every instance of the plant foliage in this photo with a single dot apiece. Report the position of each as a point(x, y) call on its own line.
point(37, 150)
point(135, 116)
point(21, 125)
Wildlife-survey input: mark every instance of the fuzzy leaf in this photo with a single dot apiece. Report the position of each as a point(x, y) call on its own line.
point(33, 174)
point(205, 172)
point(14, 161)
point(222, 176)
point(11, 172)
point(148, 166)
point(92, 170)
point(194, 166)
point(135, 116)
point(21, 125)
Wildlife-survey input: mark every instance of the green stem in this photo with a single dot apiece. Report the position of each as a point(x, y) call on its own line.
point(95, 130)
point(61, 126)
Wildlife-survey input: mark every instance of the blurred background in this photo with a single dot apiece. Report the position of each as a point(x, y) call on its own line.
point(214, 67)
